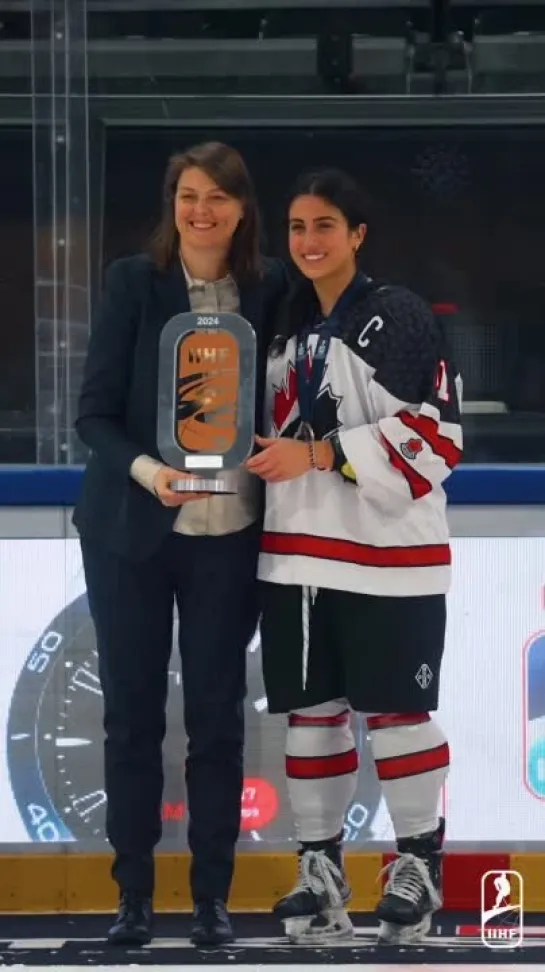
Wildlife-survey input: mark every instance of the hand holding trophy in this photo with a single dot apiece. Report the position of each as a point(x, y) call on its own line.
point(206, 402)
point(163, 488)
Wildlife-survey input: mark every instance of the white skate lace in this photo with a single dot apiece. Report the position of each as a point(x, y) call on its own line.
point(317, 873)
point(406, 875)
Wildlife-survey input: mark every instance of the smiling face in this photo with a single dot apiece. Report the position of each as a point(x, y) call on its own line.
point(205, 215)
point(321, 242)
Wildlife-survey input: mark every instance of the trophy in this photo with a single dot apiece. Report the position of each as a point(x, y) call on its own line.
point(206, 398)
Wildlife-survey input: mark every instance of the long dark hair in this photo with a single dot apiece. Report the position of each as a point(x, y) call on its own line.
point(226, 167)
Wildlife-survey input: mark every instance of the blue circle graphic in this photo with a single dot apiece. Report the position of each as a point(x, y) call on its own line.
point(536, 768)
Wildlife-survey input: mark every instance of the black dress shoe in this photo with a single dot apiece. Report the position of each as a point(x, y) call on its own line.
point(211, 924)
point(134, 920)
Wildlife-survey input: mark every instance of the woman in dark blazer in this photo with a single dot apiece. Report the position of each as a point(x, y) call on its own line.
point(146, 546)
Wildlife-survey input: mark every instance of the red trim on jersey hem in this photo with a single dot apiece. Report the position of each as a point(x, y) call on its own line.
point(413, 764)
point(323, 721)
point(428, 429)
point(321, 767)
point(348, 551)
point(398, 719)
point(418, 484)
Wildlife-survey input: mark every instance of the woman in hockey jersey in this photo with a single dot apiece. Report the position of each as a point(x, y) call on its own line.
point(364, 427)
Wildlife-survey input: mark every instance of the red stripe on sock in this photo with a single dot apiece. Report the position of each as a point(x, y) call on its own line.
point(321, 767)
point(387, 721)
point(413, 764)
point(324, 720)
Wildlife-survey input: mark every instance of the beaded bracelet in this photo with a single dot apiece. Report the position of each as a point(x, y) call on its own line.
point(313, 462)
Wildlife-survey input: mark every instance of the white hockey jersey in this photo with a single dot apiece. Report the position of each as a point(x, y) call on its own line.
point(393, 397)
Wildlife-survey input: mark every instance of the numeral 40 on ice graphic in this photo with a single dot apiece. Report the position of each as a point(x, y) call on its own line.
point(502, 909)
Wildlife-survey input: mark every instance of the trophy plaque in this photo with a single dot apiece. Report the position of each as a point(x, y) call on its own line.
point(206, 398)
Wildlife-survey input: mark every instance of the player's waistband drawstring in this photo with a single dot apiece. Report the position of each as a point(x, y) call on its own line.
point(309, 596)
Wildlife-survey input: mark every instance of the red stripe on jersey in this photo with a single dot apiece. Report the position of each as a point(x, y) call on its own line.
point(321, 767)
point(428, 429)
point(413, 764)
point(418, 484)
point(396, 719)
point(363, 554)
point(326, 721)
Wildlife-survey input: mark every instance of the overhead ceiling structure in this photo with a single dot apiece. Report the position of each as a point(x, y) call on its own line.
point(74, 72)
point(300, 47)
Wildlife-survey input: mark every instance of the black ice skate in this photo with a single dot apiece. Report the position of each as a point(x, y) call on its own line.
point(314, 911)
point(413, 890)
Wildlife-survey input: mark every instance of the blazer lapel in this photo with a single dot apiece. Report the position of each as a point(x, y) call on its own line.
point(170, 291)
point(251, 305)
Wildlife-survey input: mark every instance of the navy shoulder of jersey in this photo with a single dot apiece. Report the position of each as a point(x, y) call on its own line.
point(388, 320)
point(395, 332)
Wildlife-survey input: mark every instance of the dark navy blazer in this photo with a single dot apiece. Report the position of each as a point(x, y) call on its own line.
point(117, 414)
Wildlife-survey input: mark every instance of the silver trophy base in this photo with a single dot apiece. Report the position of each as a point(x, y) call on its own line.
point(218, 486)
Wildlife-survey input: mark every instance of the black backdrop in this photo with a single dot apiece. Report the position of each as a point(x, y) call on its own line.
point(457, 214)
point(17, 400)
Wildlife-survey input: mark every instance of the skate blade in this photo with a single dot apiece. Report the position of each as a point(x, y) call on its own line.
point(305, 931)
point(391, 934)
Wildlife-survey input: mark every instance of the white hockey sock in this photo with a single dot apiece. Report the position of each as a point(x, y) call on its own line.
point(412, 759)
point(321, 769)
